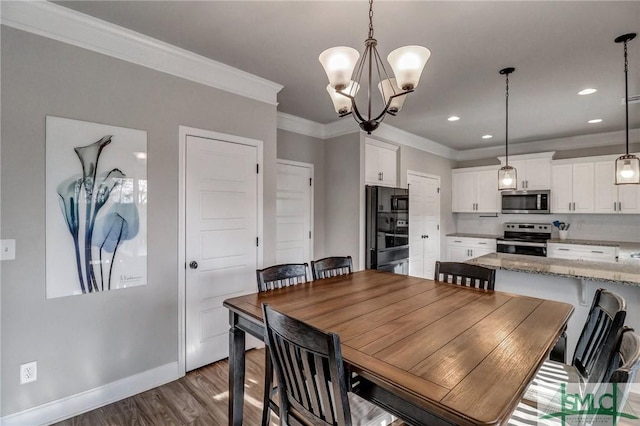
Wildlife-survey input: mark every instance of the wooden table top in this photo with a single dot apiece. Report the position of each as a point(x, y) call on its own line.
point(464, 354)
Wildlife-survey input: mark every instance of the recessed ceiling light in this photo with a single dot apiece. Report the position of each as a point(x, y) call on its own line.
point(453, 118)
point(587, 91)
point(595, 120)
point(487, 136)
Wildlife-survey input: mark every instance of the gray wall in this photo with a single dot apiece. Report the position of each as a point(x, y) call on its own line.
point(420, 161)
point(344, 191)
point(83, 342)
point(307, 149)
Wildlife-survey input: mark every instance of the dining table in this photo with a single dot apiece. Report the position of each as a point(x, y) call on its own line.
point(429, 352)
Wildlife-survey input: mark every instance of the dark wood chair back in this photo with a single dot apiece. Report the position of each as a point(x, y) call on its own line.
point(625, 362)
point(600, 334)
point(331, 267)
point(311, 376)
point(280, 276)
point(465, 275)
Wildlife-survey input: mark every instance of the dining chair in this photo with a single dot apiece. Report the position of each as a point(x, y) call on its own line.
point(272, 278)
point(465, 275)
point(594, 349)
point(621, 371)
point(312, 379)
point(284, 275)
point(331, 267)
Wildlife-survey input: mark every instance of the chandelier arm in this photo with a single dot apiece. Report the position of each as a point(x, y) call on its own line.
point(384, 69)
point(354, 107)
point(386, 108)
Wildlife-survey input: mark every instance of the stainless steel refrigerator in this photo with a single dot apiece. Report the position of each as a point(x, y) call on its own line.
point(387, 240)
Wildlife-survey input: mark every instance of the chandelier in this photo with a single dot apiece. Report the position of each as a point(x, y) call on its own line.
point(340, 62)
point(628, 165)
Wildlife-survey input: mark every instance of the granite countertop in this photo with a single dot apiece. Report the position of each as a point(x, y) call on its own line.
point(463, 235)
point(627, 273)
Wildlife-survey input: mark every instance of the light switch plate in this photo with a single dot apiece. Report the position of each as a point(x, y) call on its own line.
point(7, 249)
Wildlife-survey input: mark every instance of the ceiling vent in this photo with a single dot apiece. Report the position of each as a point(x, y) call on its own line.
point(635, 99)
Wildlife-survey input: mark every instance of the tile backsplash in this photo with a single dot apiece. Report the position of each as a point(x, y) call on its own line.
point(606, 227)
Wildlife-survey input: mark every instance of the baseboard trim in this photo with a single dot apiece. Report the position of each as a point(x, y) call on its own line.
point(82, 402)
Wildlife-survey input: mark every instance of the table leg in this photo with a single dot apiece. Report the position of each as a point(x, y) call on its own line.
point(236, 371)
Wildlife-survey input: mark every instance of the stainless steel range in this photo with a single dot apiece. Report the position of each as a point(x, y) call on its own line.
point(525, 238)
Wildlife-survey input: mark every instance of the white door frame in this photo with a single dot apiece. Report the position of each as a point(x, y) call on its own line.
point(313, 185)
point(183, 133)
point(438, 179)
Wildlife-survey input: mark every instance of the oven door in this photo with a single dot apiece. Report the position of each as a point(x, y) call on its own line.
point(522, 247)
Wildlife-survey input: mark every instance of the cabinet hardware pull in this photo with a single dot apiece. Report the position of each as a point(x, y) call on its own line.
point(569, 205)
point(457, 241)
point(597, 251)
point(619, 206)
point(574, 206)
point(614, 206)
point(563, 249)
point(483, 243)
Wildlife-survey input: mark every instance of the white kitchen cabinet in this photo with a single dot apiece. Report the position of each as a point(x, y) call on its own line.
point(475, 190)
point(612, 198)
point(573, 187)
point(533, 170)
point(460, 249)
point(381, 163)
point(582, 252)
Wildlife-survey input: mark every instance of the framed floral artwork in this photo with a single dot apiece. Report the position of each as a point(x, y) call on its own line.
point(96, 207)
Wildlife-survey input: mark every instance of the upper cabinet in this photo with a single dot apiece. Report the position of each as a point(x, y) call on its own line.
point(534, 170)
point(381, 163)
point(475, 190)
point(572, 189)
point(612, 198)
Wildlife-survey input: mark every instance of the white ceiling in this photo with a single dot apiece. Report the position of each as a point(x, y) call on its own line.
point(557, 48)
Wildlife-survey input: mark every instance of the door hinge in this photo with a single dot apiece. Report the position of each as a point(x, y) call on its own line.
point(438, 227)
point(256, 241)
point(310, 181)
point(438, 190)
point(258, 168)
point(309, 234)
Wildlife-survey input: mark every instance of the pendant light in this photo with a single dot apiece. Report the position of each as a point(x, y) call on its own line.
point(628, 165)
point(340, 62)
point(507, 175)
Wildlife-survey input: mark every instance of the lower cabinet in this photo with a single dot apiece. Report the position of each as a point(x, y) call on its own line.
point(582, 252)
point(460, 249)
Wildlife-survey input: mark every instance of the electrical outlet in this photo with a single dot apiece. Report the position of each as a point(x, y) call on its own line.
point(28, 372)
point(7, 249)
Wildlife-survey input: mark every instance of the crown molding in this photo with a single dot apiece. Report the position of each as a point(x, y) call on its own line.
point(341, 127)
point(414, 141)
point(559, 144)
point(300, 125)
point(68, 26)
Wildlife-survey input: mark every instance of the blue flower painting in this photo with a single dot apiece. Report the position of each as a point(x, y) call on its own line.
point(97, 239)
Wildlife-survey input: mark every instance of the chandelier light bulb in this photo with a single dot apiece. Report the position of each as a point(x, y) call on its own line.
point(338, 63)
point(407, 63)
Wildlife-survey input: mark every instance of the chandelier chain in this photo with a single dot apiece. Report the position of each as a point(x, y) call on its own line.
point(370, 18)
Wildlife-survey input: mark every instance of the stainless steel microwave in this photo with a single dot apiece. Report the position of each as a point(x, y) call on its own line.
point(526, 202)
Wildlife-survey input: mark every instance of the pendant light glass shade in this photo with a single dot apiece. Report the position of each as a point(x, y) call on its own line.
point(407, 64)
point(338, 63)
point(341, 103)
point(627, 170)
point(507, 178)
point(628, 165)
point(388, 88)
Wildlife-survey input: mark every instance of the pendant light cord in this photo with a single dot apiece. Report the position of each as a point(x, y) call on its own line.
point(626, 94)
point(506, 138)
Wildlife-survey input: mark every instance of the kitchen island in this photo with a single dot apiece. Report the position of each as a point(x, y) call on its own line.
point(569, 281)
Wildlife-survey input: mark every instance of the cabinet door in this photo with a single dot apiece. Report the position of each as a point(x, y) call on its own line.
point(583, 187)
point(629, 198)
point(487, 194)
point(464, 192)
point(388, 165)
point(371, 170)
point(561, 188)
point(606, 192)
point(458, 254)
point(537, 174)
point(521, 172)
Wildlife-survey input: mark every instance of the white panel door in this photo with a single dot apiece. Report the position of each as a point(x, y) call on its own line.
point(293, 213)
point(221, 231)
point(424, 220)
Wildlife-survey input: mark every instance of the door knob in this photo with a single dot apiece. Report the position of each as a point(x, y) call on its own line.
point(193, 264)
